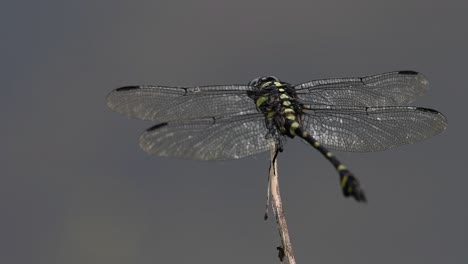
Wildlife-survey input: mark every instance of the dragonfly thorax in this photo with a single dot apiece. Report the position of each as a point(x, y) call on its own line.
point(278, 102)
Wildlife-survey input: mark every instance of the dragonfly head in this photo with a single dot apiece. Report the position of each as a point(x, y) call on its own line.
point(257, 82)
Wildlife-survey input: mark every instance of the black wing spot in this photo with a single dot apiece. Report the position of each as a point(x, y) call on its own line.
point(408, 73)
point(127, 88)
point(156, 127)
point(427, 110)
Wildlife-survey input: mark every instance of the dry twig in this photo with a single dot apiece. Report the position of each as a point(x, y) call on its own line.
point(285, 251)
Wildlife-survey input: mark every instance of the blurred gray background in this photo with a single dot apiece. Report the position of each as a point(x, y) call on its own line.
point(76, 188)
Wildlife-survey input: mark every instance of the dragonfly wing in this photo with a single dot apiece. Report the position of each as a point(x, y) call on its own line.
point(388, 89)
point(164, 103)
point(365, 129)
point(222, 138)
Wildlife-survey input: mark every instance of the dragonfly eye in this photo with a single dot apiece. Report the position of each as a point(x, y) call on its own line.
point(271, 79)
point(254, 82)
point(261, 80)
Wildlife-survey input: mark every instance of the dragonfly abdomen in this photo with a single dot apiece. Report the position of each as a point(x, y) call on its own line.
point(349, 184)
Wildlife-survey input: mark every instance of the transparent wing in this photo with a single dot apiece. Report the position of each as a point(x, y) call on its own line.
point(230, 137)
point(388, 89)
point(164, 104)
point(364, 129)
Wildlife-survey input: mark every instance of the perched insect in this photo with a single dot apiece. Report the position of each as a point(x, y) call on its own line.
point(220, 122)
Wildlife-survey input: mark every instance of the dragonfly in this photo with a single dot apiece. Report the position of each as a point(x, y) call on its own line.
point(223, 122)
